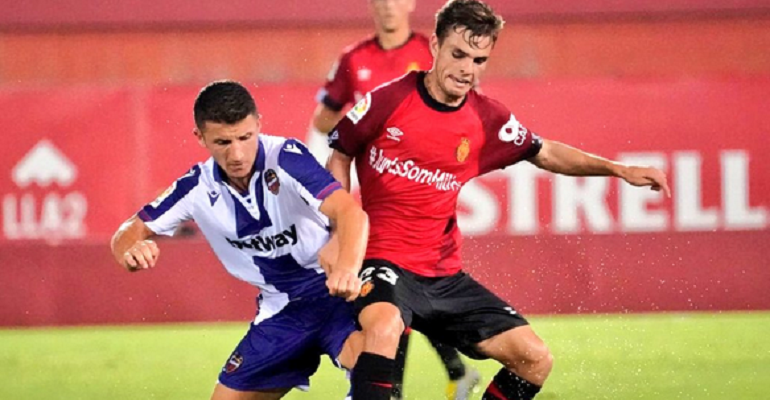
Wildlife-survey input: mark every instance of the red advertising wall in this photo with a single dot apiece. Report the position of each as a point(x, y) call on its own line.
point(79, 161)
point(81, 13)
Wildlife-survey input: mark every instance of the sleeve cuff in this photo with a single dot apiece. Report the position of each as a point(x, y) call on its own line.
point(332, 104)
point(144, 216)
point(328, 190)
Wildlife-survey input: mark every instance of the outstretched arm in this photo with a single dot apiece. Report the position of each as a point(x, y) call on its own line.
point(351, 231)
point(131, 246)
point(563, 159)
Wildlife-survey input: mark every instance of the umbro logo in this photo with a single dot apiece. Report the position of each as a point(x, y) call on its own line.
point(291, 148)
point(213, 196)
point(394, 133)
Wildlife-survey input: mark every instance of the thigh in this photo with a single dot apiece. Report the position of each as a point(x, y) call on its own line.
point(222, 392)
point(465, 313)
point(336, 332)
point(386, 282)
point(277, 353)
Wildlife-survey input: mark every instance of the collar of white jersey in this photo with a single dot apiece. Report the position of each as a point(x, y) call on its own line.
point(259, 164)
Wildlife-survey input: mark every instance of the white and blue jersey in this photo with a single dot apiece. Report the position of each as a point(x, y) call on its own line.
point(270, 238)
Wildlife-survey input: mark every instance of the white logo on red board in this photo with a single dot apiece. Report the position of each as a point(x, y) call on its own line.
point(43, 165)
point(40, 207)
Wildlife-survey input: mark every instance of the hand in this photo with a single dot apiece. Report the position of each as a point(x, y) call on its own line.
point(142, 255)
point(647, 176)
point(345, 284)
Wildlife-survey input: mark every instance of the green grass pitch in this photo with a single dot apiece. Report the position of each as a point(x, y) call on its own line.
point(650, 356)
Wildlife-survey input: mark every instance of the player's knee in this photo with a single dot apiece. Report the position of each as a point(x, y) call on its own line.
point(544, 360)
point(382, 324)
point(537, 360)
point(388, 329)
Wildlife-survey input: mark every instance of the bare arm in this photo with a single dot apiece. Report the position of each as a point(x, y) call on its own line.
point(131, 246)
point(339, 166)
point(351, 232)
point(324, 118)
point(563, 159)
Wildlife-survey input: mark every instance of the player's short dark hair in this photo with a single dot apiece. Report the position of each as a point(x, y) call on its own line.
point(223, 102)
point(474, 16)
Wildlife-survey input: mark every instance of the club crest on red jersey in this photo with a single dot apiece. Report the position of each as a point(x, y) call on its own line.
point(272, 182)
point(233, 363)
point(463, 149)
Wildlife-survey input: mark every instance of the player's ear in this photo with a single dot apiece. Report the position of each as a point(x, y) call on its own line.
point(434, 46)
point(259, 123)
point(412, 5)
point(199, 135)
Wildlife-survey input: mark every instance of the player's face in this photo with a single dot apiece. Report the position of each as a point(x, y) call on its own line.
point(391, 15)
point(234, 147)
point(458, 62)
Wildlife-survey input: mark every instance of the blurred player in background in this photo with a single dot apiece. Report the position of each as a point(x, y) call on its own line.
point(393, 51)
point(265, 206)
point(416, 142)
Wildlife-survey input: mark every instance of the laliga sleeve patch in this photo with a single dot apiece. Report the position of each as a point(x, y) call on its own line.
point(513, 131)
point(163, 196)
point(360, 109)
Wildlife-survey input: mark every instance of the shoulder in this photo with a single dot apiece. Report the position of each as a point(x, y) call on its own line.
point(384, 98)
point(192, 177)
point(358, 47)
point(179, 189)
point(487, 105)
point(491, 112)
point(203, 175)
point(271, 144)
point(420, 39)
point(498, 120)
point(292, 153)
point(398, 87)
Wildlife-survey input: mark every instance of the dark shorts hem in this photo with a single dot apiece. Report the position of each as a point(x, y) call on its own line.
point(257, 388)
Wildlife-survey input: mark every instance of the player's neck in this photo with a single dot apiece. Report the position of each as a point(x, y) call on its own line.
point(394, 39)
point(240, 184)
point(435, 91)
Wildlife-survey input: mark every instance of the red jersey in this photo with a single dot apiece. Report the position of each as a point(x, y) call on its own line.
point(366, 65)
point(413, 155)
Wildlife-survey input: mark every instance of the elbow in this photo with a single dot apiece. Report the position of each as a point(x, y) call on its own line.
point(318, 126)
point(359, 215)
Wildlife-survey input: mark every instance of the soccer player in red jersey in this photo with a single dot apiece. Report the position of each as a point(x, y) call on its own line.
point(415, 143)
point(391, 52)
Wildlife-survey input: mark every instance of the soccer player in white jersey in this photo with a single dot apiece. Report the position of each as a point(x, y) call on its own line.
point(266, 208)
